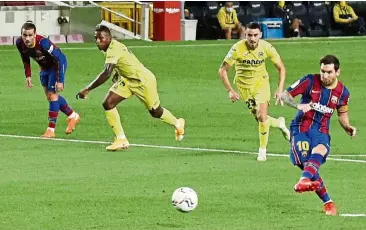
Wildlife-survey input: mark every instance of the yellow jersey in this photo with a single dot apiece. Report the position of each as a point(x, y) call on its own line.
point(341, 14)
point(227, 19)
point(250, 66)
point(127, 65)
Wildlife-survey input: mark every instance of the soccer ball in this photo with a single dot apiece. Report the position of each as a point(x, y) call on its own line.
point(185, 199)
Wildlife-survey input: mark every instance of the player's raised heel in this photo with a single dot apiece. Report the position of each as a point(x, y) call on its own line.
point(330, 209)
point(262, 155)
point(306, 185)
point(179, 129)
point(71, 123)
point(49, 134)
point(118, 144)
point(284, 129)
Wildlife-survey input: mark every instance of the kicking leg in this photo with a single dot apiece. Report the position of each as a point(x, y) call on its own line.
point(311, 168)
point(167, 117)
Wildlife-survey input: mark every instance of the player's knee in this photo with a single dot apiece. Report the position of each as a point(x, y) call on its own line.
point(108, 105)
point(52, 96)
point(320, 148)
point(156, 113)
point(261, 116)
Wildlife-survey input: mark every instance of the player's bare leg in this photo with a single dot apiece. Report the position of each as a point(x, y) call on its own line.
point(114, 120)
point(263, 130)
point(167, 117)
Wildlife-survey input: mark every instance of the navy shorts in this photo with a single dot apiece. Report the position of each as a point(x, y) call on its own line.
point(49, 78)
point(303, 143)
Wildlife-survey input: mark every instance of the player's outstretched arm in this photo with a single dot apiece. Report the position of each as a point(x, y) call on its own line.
point(281, 80)
point(102, 77)
point(343, 119)
point(223, 72)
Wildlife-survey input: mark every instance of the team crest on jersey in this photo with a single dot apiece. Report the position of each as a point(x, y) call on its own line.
point(304, 153)
point(261, 54)
point(334, 99)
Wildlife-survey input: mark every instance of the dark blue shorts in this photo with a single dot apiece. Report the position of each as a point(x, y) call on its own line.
point(48, 78)
point(302, 144)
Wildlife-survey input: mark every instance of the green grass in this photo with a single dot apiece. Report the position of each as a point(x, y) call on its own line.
point(49, 184)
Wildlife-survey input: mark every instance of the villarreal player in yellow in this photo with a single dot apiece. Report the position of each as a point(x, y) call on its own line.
point(252, 81)
point(133, 78)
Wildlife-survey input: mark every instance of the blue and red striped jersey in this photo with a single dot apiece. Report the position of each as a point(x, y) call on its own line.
point(324, 102)
point(45, 53)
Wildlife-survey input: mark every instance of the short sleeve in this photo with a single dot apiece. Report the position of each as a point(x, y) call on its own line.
point(231, 56)
point(273, 54)
point(343, 101)
point(300, 86)
point(112, 56)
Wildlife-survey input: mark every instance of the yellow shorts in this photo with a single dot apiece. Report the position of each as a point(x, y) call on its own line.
point(259, 93)
point(145, 89)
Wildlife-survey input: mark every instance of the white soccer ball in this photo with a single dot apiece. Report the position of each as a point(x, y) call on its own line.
point(185, 199)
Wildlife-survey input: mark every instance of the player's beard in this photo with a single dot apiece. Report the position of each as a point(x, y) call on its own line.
point(29, 43)
point(252, 45)
point(328, 82)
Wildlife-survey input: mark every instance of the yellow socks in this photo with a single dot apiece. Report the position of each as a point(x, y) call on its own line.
point(273, 122)
point(115, 122)
point(168, 117)
point(263, 129)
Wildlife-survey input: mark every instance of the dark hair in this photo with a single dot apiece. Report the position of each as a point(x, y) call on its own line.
point(330, 59)
point(102, 28)
point(28, 25)
point(253, 26)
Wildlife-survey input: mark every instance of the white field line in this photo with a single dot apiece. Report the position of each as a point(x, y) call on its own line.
point(176, 148)
point(353, 215)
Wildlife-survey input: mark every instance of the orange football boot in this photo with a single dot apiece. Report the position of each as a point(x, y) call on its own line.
point(330, 209)
point(49, 134)
point(71, 123)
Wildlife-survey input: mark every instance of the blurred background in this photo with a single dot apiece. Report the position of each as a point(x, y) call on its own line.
point(74, 21)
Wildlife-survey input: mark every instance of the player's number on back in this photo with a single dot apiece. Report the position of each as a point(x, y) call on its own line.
point(250, 103)
point(303, 145)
